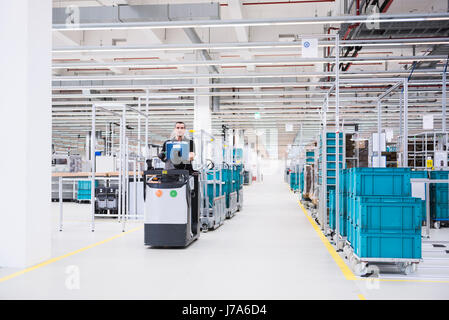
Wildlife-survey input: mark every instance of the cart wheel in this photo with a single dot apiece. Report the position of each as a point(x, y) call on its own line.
point(204, 227)
point(360, 269)
point(352, 261)
point(408, 269)
point(349, 256)
point(437, 224)
point(415, 267)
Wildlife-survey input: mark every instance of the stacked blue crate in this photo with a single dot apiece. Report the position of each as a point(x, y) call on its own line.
point(343, 201)
point(332, 209)
point(343, 195)
point(331, 166)
point(384, 220)
point(84, 190)
point(227, 187)
point(238, 179)
point(294, 181)
point(310, 157)
point(439, 210)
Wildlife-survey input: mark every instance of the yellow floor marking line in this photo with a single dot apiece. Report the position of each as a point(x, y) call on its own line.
point(403, 280)
point(361, 297)
point(45, 263)
point(344, 268)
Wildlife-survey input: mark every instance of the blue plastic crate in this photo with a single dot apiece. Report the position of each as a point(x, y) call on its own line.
point(331, 135)
point(439, 175)
point(438, 193)
point(388, 214)
point(333, 150)
point(310, 154)
point(394, 246)
point(418, 174)
point(227, 179)
point(84, 192)
point(227, 187)
point(333, 157)
point(333, 165)
point(85, 185)
point(381, 182)
point(333, 142)
point(83, 196)
point(332, 209)
point(350, 231)
point(331, 206)
point(439, 212)
point(439, 196)
point(294, 181)
point(238, 177)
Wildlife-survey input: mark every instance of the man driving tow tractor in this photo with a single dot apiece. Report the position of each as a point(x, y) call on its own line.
point(178, 134)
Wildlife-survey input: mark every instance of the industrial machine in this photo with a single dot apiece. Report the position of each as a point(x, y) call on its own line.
point(106, 200)
point(172, 216)
point(66, 163)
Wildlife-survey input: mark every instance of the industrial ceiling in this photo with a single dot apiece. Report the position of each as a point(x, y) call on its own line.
point(247, 54)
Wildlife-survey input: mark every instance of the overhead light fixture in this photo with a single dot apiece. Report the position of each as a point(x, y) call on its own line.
point(287, 38)
point(254, 22)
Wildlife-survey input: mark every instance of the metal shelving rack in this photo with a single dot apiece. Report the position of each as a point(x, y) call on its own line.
point(69, 189)
point(423, 145)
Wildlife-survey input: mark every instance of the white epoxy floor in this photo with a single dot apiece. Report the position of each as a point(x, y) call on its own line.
point(267, 251)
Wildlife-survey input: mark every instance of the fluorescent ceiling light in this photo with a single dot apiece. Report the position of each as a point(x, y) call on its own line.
point(255, 22)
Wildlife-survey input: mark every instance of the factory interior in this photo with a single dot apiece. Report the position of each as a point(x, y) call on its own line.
point(255, 150)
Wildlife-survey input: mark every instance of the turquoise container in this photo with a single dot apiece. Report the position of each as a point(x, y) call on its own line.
point(228, 185)
point(331, 206)
point(84, 190)
point(439, 210)
point(294, 181)
point(395, 246)
point(388, 214)
point(332, 209)
point(301, 182)
point(237, 177)
point(381, 182)
point(310, 157)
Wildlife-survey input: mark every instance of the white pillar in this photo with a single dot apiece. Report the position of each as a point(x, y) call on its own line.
point(202, 109)
point(25, 105)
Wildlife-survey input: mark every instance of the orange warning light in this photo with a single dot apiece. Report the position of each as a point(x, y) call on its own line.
point(159, 193)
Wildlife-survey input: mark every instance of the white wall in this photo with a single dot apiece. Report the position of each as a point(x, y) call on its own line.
point(25, 163)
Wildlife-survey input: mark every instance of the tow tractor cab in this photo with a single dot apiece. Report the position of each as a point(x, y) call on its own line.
point(171, 208)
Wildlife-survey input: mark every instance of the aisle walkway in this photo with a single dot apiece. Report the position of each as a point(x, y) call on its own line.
point(268, 251)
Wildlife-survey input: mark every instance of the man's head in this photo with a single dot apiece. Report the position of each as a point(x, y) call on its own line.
point(180, 129)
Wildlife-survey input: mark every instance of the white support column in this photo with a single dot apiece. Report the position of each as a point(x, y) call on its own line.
point(25, 98)
point(202, 119)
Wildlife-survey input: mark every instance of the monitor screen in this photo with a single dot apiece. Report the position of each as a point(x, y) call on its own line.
point(178, 151)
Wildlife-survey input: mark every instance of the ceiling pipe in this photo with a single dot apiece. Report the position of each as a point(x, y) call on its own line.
point(252, 22)
point(242, 62)
point(355, 27)
point(252, 45)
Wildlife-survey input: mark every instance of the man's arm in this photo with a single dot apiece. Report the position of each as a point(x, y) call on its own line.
point(162, 155)
point(192, 150)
